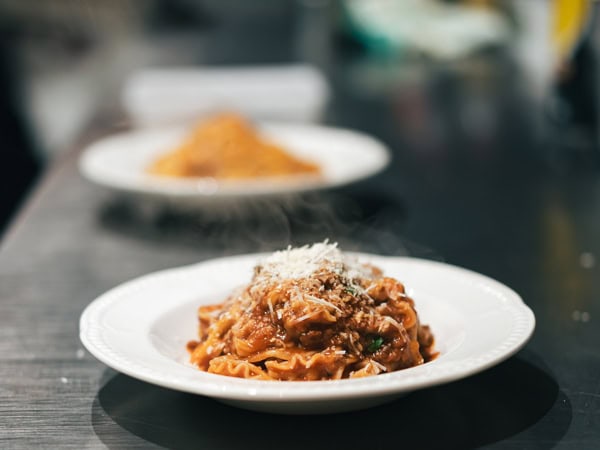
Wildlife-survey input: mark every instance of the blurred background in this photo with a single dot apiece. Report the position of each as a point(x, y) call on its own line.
point(450, 73)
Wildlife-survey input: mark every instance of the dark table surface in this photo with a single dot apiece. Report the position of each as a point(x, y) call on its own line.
point(473, 182)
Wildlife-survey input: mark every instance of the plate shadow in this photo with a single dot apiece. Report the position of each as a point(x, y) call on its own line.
point(511, 398)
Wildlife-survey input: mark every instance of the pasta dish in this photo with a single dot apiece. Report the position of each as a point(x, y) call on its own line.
point(312, 313)
point(227, 146)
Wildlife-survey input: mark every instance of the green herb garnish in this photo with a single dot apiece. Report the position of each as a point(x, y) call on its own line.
point(375, 344)
point(351, 290)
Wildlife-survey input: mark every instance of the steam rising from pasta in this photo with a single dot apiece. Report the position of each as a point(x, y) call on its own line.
point(312, 313)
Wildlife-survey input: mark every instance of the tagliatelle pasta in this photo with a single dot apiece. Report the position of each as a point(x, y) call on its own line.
point(312, 313)
point(227, 146)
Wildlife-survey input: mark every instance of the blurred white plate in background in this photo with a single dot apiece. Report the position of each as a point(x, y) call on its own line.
point(345, 156)
point(159, 96)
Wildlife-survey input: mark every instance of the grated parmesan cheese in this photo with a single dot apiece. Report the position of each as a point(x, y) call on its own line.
point(302, 262)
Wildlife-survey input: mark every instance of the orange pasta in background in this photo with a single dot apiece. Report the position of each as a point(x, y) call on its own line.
point(227, 146)
point(312, 313)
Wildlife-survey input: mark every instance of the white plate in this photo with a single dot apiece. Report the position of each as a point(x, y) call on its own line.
point(345, 156)
point(141, 328)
